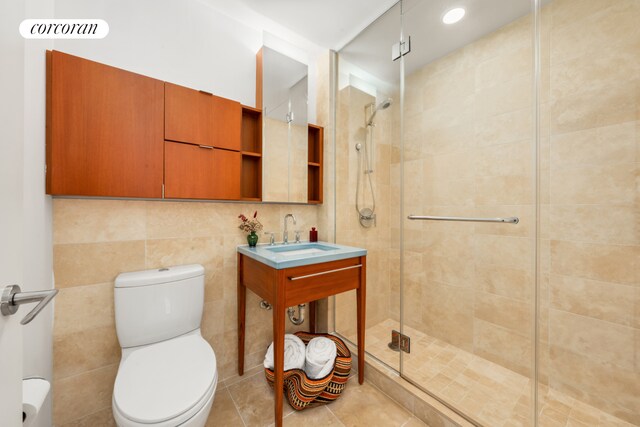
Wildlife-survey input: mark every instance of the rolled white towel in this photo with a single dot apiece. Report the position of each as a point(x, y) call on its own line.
point(321, 356)
point(294, 354)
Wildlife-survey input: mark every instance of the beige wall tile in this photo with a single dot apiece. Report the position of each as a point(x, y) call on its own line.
point(166, 220)
point(80, 395)
point(512, 252)
point(505, 128)
point(610, 24)
point(595, 223)
point(613, 67)
point(609, 145)
point(213, 318)
point(595, 185)
point(92, 221)
point(612, 302)
point(606, 263)
point(504, 67)
point(607, 387)
point(616, 104)
point(509, 282)
point(504, 97)
point(446, 88)
point(88, 263)
point(504, 190)
point(506, 312)
point(502, 346)
point(84, 351)
point(84, 307)
point(448, 270)
point(602, 341)
point(448, 314)
point(504, 159)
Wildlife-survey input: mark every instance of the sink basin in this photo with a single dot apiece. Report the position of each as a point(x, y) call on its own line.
point(304, 249)
point(298, 254)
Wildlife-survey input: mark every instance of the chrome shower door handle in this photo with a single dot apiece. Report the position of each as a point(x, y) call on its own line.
point(12, 298)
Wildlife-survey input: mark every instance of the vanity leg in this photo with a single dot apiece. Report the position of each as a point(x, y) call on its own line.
point(278, 350)
point(312, 317)
point(361, 295)
point(242, 295)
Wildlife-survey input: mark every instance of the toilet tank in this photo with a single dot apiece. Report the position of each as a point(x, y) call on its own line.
point(157, 305)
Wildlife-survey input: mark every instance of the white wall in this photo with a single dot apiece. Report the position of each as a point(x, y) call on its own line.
point(38, 260)
point(23, 122)
point(187, 42)
point(11, 206)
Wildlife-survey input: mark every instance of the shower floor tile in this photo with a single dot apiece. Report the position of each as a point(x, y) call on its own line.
point(485, 391)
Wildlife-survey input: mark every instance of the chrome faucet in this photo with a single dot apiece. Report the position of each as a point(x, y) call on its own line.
point(285, 234)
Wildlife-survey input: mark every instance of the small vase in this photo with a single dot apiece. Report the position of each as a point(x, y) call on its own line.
point(252, 239)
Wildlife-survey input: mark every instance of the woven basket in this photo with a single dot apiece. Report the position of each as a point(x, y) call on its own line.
point(304, 392)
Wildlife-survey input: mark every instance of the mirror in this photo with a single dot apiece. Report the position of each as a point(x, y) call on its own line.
point(285, 135)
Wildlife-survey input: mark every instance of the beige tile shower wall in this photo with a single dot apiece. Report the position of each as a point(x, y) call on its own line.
point(351, 130)
point(468, 151)
point(592, 345)
point(95, 240)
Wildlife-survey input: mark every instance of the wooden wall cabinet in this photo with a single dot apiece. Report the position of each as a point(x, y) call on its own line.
point(201, 118)
point(113, 133)
point(227, 167)
point(104, 130)
point(201, 172)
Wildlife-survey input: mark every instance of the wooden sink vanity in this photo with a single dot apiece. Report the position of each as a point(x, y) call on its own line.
point(290, 286)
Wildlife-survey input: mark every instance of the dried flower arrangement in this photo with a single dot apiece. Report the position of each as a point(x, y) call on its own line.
point(250, 225)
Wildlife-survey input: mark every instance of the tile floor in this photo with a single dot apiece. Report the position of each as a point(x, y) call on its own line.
point(247, 401)
point(487, 392)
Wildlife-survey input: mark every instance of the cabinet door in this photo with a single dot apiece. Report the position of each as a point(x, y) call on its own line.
point(226, 124)
point(188, 115)
point(189, 171)
point(104, 130)
point(227, 174)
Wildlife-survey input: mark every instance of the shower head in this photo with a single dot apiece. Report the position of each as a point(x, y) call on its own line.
point(386, 103)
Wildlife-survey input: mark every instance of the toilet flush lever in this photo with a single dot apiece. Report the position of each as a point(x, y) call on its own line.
point(12, 298)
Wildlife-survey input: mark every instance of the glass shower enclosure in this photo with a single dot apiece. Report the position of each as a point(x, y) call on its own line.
point(491, 166)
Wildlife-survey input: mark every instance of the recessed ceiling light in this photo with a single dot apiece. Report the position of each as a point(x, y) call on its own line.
point(454, 15)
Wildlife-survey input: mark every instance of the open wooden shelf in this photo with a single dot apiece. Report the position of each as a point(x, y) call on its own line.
point(251, 154)
point(315, 164)
point(251, 183)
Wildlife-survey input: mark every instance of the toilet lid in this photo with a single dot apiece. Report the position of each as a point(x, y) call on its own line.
point(162, 381)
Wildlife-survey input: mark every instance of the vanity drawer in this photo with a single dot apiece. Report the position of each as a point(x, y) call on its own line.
point(317, 281)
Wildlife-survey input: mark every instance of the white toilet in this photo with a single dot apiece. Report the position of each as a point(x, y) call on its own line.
point(168, 374)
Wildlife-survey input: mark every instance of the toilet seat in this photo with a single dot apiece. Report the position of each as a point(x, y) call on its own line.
point(165, 383)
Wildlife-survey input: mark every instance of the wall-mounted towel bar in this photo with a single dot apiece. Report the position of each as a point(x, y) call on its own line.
point(509, 220)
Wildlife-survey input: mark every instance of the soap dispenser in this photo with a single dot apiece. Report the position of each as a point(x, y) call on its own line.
point(313, 235)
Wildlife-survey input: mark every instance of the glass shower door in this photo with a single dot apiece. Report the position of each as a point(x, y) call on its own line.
point(367, 179)
point(468, 170)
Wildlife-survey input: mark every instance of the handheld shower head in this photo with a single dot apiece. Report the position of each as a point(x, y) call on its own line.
point(386, 103)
